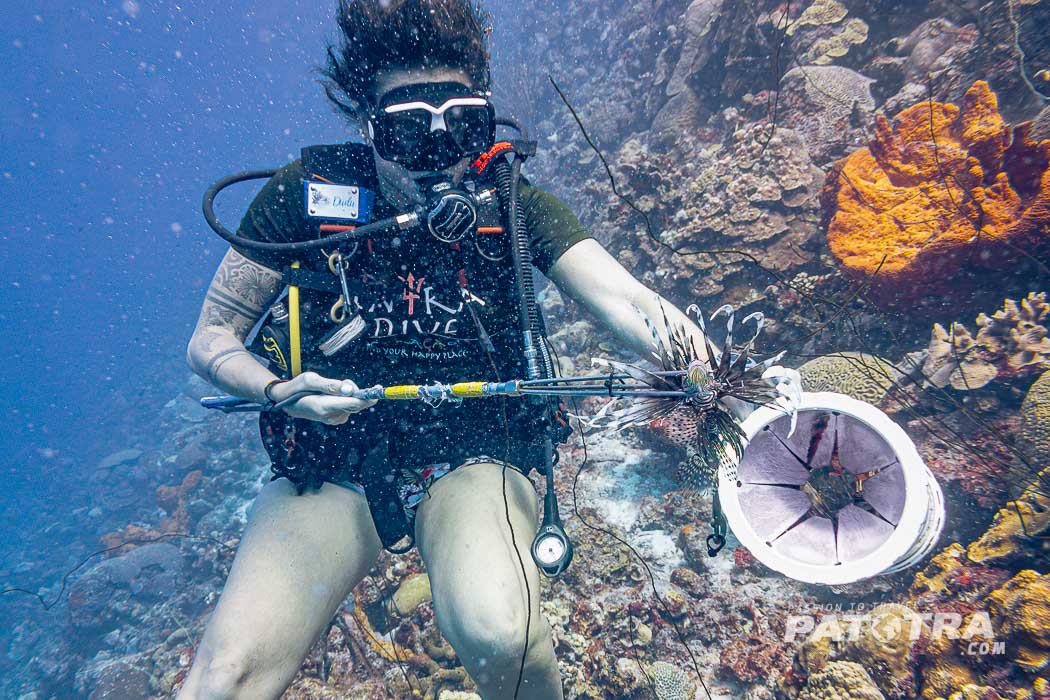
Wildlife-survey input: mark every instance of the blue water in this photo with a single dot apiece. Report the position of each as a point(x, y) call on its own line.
point(114, 117)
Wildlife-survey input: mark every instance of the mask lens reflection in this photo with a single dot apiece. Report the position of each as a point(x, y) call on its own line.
point(470, 127)
point(403, 131)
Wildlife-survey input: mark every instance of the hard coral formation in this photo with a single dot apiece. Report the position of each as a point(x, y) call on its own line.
point(671, 682)
point(883, 646)
point(757, 192)
point(940, 189)
point(954, 359)
point(1011, 535)
point(859, 375)
point(413, 591)
point(1021, 609)
point(1011, 342)
point(934, 578)
point(750, 657)
point(841, 680)
point(827, 106)
point(1034, 436)
point(821, 33)
point(1015, 614)
point(1016, 334)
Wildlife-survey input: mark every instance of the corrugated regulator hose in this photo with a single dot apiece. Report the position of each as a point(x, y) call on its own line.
point(538, 360)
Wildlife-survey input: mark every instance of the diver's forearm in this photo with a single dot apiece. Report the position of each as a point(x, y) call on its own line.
point(221, 359)
point(656, 308)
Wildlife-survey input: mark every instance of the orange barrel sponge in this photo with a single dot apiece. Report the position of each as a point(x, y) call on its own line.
point(940, 190)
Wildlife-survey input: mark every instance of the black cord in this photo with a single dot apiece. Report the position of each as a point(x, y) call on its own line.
point(641, 559)
point(65, 578)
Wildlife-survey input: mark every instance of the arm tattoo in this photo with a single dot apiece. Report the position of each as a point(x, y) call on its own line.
point(220, 359)
point(239, 294)
point(251, 283)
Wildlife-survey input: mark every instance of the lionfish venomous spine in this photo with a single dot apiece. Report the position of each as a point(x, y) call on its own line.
point(717, 384)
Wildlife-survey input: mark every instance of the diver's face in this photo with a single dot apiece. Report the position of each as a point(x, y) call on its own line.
point(426, 84)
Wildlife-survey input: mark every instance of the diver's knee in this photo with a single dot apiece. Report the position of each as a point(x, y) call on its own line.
point(222, 677)
point(498, 643)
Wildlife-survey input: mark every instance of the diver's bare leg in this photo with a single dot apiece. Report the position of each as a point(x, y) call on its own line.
point(298, 560)
point(475, 576)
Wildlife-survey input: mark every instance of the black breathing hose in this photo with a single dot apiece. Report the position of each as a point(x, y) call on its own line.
point(507, 176)
point(377, 227)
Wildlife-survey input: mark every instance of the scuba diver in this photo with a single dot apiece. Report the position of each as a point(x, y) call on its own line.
point(403, 259)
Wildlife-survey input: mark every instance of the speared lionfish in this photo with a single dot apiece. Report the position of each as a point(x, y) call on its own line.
point(701, 421)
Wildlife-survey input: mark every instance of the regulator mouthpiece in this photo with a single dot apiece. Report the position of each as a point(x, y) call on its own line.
point(452, 212)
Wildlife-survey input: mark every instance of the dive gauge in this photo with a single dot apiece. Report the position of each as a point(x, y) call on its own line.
point(552, 550)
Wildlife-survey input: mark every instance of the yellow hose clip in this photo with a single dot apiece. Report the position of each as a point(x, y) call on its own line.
point(401, 393)
point(468, 390)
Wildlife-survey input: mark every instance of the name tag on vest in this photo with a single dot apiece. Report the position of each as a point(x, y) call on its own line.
point(340, 202)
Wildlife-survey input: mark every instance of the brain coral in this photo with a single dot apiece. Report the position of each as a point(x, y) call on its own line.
point(1035, 422)
point(671, 682)
point(864, 377)
point(939, 188)
point(841, 680)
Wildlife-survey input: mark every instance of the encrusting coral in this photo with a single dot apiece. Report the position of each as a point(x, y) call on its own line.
point(821, 31)
point(940, 188)
point(841, 679)
point(1022, 610)
point(1011, 534)
point(1011, 342)
point(883, 646)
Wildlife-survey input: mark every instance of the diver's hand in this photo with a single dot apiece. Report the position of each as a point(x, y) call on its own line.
point(332, 406)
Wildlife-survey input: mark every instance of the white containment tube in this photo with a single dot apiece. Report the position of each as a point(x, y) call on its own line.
point(844, 498)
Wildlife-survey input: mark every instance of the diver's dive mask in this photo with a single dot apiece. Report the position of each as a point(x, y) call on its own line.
point(431, 126)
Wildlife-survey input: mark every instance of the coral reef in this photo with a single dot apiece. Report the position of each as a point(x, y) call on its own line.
point(680, 95)
point(1022, 610)
point(671, 682)
point(1016, 615)
point(107, 594)
point(1012, 342)
point(1016, 336)
point(864, 377)
point(757, 193)
point(953, 359)
point(883, 647)
point(841, 679)
point(941, 189)
point(822, 33)
point(1034, 435)
point(829, 107)
point(174, 500)
point(749, 658)
point(1010, 537)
